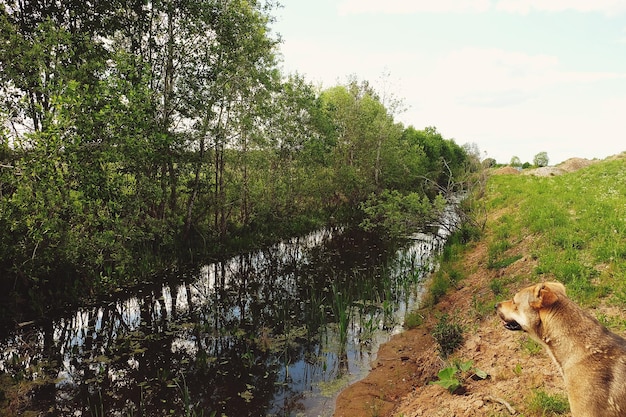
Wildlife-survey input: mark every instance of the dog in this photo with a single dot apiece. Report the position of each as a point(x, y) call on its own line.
point(591, 359)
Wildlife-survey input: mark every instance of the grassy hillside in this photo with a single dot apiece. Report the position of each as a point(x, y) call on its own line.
point(573, 226)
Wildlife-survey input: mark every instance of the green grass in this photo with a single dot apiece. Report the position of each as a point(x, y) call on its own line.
point(413, 319)
point(529, 346)
point(576, 225)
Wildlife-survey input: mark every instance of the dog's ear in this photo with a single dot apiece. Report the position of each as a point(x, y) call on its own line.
point(546, 294)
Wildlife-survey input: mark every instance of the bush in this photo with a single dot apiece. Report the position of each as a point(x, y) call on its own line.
point(413, 319)
point(448, 334)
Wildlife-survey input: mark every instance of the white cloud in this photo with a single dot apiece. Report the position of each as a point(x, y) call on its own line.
point(412, 6)
point(607, 7)
point(512, 103)
point(495, 77)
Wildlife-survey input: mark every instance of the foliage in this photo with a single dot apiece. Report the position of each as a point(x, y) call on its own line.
point(530, 346)
point(453, 376)
point(439, 285)
point(516, 162)
point(448, 334)
point(541, 159)
point(413, 319)
point(447, 379)
point(445, 160)
point(398, 214)
point(135, 137)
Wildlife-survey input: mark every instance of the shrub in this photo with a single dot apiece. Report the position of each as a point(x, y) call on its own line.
point(413, 319)
point(448, 334)
point(453, 377)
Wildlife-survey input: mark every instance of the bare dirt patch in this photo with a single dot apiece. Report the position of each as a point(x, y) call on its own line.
point(570, 165)
point(508, 170)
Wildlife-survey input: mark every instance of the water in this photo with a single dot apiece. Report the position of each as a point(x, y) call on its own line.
point(277, 332)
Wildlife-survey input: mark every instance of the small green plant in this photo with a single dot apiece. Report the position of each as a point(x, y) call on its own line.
point(518, 369)
point(452, 377)
point(448, 379)
point(454, 276)
point(413, 319)
point(530, 346)
point(482, 307)
point(448, 334)
point(496, 286)
point(439, 286)
point(545, 404)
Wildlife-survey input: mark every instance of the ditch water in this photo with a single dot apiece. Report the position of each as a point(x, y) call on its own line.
point(277, 332)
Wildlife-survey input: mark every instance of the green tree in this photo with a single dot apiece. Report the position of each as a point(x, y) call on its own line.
point(541, 159)
point(515, 162)
point(364, 131)
point(444, 159)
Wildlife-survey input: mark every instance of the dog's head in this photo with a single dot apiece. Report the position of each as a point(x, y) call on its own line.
point(525, 310)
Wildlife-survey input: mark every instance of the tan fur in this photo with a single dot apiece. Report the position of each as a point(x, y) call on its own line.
point(591, 359)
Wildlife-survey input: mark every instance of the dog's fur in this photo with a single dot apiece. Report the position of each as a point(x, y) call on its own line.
point(591, 359)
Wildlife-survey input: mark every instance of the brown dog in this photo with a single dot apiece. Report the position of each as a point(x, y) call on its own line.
point(591, 359)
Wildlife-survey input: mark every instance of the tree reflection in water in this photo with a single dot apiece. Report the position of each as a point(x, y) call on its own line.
point(259, 334)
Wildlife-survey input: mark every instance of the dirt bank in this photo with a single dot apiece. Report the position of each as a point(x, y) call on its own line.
point(398, 384)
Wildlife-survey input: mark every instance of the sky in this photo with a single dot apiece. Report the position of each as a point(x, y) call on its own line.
point(513, 77)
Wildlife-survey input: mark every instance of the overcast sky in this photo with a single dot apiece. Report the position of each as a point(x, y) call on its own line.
point(515, 77)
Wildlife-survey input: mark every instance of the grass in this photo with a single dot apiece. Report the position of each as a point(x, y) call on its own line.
point(577, 226)
point(544, 404)
point(413, 319)
point(529, 346)
point(568, 228)
point(571, 229)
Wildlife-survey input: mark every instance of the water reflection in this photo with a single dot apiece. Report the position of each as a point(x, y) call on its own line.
point(263, 333)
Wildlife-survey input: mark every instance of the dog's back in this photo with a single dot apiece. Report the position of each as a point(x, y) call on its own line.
point(593, 362)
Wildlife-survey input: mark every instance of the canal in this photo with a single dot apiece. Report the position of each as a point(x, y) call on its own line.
point(274, 332)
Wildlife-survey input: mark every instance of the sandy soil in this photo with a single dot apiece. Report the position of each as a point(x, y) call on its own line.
point(570, 165)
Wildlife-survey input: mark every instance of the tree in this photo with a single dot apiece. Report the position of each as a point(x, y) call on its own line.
point(443, 158)
point(515, 162)
point(541, 159)
point(362, 127)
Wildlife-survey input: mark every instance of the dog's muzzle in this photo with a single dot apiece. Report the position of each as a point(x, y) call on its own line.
point(508, 324)
point(512, 325)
